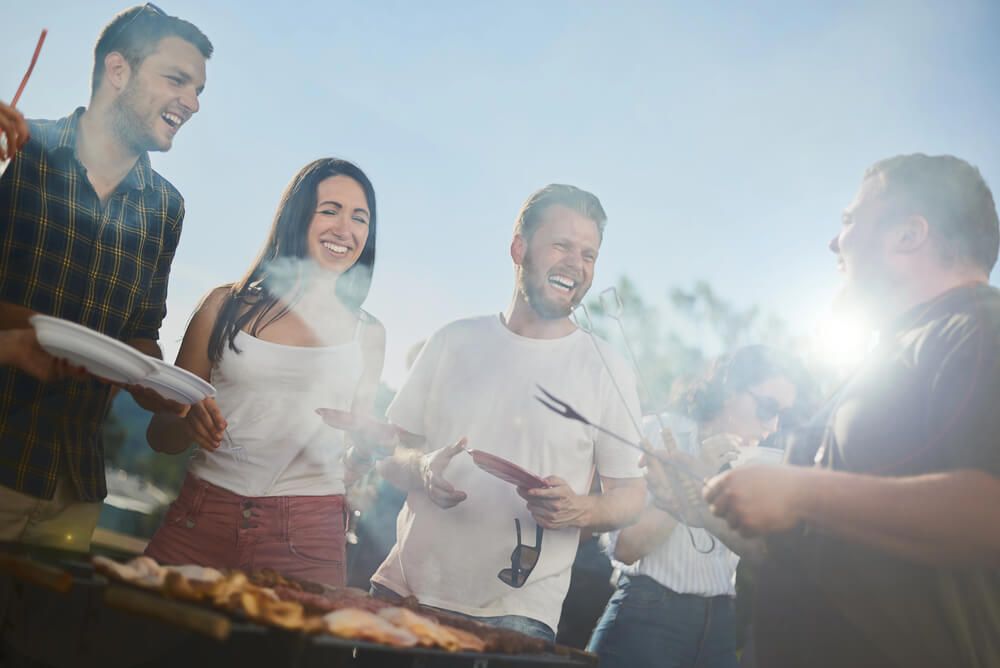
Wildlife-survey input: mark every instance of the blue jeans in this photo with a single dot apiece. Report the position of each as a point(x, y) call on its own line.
point(525, 625)
point(646, 624)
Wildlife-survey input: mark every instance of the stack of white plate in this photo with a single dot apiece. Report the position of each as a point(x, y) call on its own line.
point(113, 360)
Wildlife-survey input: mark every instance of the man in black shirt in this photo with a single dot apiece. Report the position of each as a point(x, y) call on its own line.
point(883, 538)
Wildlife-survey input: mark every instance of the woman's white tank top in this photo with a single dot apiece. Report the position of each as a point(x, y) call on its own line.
point(269, 394)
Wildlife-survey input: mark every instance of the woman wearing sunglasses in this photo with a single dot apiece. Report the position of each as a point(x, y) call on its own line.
point(266, 487)
point(675, 602)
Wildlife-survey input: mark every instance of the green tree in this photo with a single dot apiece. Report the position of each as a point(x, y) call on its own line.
point(677, 342)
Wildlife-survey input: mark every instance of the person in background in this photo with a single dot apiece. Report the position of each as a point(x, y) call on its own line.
point(88, 232)
point(883, 539)
point(675, 602)
point(288, 338)
point(469, 542)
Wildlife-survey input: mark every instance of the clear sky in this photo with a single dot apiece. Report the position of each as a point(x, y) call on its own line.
point(724, 138)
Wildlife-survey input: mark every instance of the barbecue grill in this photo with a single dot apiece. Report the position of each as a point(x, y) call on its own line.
point(57, 612)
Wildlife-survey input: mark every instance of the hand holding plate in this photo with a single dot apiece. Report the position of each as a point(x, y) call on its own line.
point(717, 451)
point(557, 506)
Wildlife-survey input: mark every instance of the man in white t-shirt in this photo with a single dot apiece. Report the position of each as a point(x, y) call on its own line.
point(467, 541)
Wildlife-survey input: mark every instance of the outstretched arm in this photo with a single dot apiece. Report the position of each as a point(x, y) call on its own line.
point(411, 469)
point(938, 518)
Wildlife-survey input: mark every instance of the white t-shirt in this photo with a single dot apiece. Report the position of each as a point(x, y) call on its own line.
point(476, 378)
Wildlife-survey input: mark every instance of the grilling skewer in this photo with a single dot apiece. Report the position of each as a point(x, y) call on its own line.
point(17, 96)
point(587, 326)
point(34, 59)
point(559, 406)
point(613, 308)
point(615, 313)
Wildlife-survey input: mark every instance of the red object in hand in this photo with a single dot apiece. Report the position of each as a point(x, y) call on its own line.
point(34, 59)
point(506, 471)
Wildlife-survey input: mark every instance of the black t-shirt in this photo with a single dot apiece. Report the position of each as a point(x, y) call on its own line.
point(927, 400)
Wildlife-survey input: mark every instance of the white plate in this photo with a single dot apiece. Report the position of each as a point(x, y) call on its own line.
point(177, 384)
point(101, 355)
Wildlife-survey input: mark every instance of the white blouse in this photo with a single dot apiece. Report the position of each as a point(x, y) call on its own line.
point(269, 393)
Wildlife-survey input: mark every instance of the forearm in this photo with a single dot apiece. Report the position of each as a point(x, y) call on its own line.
point(617, 506)
point(14, 316)
point(147, 346)
point(649, 533)
point(655, 526)
point(751, 550)
point(168, 434)
point(402, 469)
point(941, 518)
point(356, 465)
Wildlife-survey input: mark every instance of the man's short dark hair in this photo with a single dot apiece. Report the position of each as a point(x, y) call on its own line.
point(136, 33)
point(584, 203)
point(952, 196)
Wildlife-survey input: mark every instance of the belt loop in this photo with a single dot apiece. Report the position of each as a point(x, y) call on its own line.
point(199, 496)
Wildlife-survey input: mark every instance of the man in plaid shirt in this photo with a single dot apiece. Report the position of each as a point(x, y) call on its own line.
point(87, 233)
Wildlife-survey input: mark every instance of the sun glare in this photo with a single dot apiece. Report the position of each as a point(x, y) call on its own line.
point(840, 342)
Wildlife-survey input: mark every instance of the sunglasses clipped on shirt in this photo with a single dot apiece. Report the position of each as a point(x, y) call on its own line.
point(523, 559)
point(768, 408)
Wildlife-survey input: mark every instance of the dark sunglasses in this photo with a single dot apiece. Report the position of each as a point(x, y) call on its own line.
point(768, 408)
point(125, 26)
point(522, 560)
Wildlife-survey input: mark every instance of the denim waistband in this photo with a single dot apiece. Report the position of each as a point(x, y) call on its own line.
point(649, 584)
point(645, 582)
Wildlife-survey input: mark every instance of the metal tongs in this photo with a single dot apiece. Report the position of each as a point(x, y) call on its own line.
point(581, 318)
point(613, 308)
point(559, 406)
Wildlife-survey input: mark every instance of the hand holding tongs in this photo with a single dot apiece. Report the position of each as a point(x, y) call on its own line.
point(562, 408)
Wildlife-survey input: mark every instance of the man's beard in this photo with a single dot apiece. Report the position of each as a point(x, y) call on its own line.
point(532, 286)
point(128, 125)
point(861, 302)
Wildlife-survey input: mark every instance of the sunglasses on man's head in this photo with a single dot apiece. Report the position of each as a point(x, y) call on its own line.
point(768, 408)
point(523, 559)
point(125, 26)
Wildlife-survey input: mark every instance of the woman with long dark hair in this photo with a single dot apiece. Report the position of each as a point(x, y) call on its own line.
point(265, 488)
point(675, 601)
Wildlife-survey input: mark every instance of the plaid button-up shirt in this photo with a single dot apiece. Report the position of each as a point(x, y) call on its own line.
point(65, 254)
